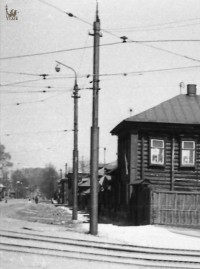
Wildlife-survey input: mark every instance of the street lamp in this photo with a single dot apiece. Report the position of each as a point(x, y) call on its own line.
point(19, 185)
point(75, 151)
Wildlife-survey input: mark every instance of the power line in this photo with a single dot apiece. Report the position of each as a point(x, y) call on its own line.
point(173, 53)
point(44, 91)
point(106, 74)
point(55, 51)
point(153, 25)
point(106, 31)
point(125, 39)
point(19, 82)
point(89, 47)
point(166, 40)
point(150, 71)
point(28, 86)
point(145, 29)
point(24, 81)
point(33, 102)
point(76, 17)
point(39, 91)
point(30, 74)
point(20, 73)
point(162, 28)
point(66, 13)
point(37, 132)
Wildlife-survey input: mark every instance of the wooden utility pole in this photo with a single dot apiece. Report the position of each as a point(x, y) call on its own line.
point(95, 131)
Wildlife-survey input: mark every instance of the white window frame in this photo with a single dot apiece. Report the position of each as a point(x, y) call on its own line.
point(188, 154)
point(157, 154)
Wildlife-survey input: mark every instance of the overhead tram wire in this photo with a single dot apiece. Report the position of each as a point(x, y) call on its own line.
point(34, 80)
point(30, 86)
point(20, 73)
point(101, 45)
point(102, 75)
point(56, 51)
point(37, 132)
point(88, 23)
point(19, 82)
point(151, 46)
point(108, 32)
point(153, 28)
point(16, 84)
point(40, 91)
point(152, 25)
point(33, 102)
point(104, 30)
point(162, 28)
point(66, 13)
point(150, 71)
point(44, 76)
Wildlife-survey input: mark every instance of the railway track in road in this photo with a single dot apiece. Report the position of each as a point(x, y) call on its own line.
point(74, 248)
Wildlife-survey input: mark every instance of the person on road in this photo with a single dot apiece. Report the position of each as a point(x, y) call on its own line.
point(36, 199)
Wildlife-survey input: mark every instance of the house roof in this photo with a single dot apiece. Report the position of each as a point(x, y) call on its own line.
point(181, 109)
point(85, 183)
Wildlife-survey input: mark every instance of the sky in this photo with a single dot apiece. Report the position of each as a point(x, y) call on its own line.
point(36, 117)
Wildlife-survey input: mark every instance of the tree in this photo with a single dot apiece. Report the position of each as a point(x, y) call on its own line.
point(84, 166)
point(49, 180)
point(4, 165)
point(34, 177)
point(28, 181)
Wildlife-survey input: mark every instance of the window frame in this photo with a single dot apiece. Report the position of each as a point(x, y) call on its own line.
point(150, 152)
point(188, 165)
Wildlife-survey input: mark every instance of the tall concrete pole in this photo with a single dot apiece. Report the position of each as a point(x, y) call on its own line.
point(75, 150)
point(75, 154)
point(95, 131)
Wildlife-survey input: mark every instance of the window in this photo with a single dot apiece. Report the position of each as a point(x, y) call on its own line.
point(187, 153)
point(157, 151)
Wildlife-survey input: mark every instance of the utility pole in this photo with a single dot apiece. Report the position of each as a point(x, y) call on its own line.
point(60, 173)
point(104, 157)
point(75, 154)
point(75, 150)
point(95, 130)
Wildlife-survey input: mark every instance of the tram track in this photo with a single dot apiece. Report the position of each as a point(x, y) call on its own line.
point(73, 248)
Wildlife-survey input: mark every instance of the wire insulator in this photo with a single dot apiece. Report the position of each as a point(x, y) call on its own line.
point(70, 14)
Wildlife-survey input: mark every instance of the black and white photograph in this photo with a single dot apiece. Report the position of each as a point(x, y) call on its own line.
point(99, 134)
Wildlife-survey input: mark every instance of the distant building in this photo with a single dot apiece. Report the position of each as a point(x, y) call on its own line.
point(2, 191)
point(159, 163)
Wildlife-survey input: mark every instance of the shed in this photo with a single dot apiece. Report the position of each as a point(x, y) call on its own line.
point(159, 162)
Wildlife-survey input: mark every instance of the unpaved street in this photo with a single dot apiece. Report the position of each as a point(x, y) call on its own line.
point(44, 236)
point(14, 216)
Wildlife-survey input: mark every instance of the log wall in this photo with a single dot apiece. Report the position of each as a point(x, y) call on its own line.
point(180, 179)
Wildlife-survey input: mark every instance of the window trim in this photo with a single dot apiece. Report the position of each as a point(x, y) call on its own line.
point(150, 151)
point(182, 165)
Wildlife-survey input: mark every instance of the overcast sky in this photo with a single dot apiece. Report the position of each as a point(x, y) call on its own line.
point(33, 122)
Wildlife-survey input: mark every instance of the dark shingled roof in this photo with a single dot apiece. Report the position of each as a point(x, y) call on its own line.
point(181, 109)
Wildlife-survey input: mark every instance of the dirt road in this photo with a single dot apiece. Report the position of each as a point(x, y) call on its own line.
point(43, 236)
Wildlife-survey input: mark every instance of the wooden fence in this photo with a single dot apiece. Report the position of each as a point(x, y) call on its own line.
point(175, 208)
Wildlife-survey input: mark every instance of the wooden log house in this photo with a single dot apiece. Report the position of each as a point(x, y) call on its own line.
point(159, 163)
